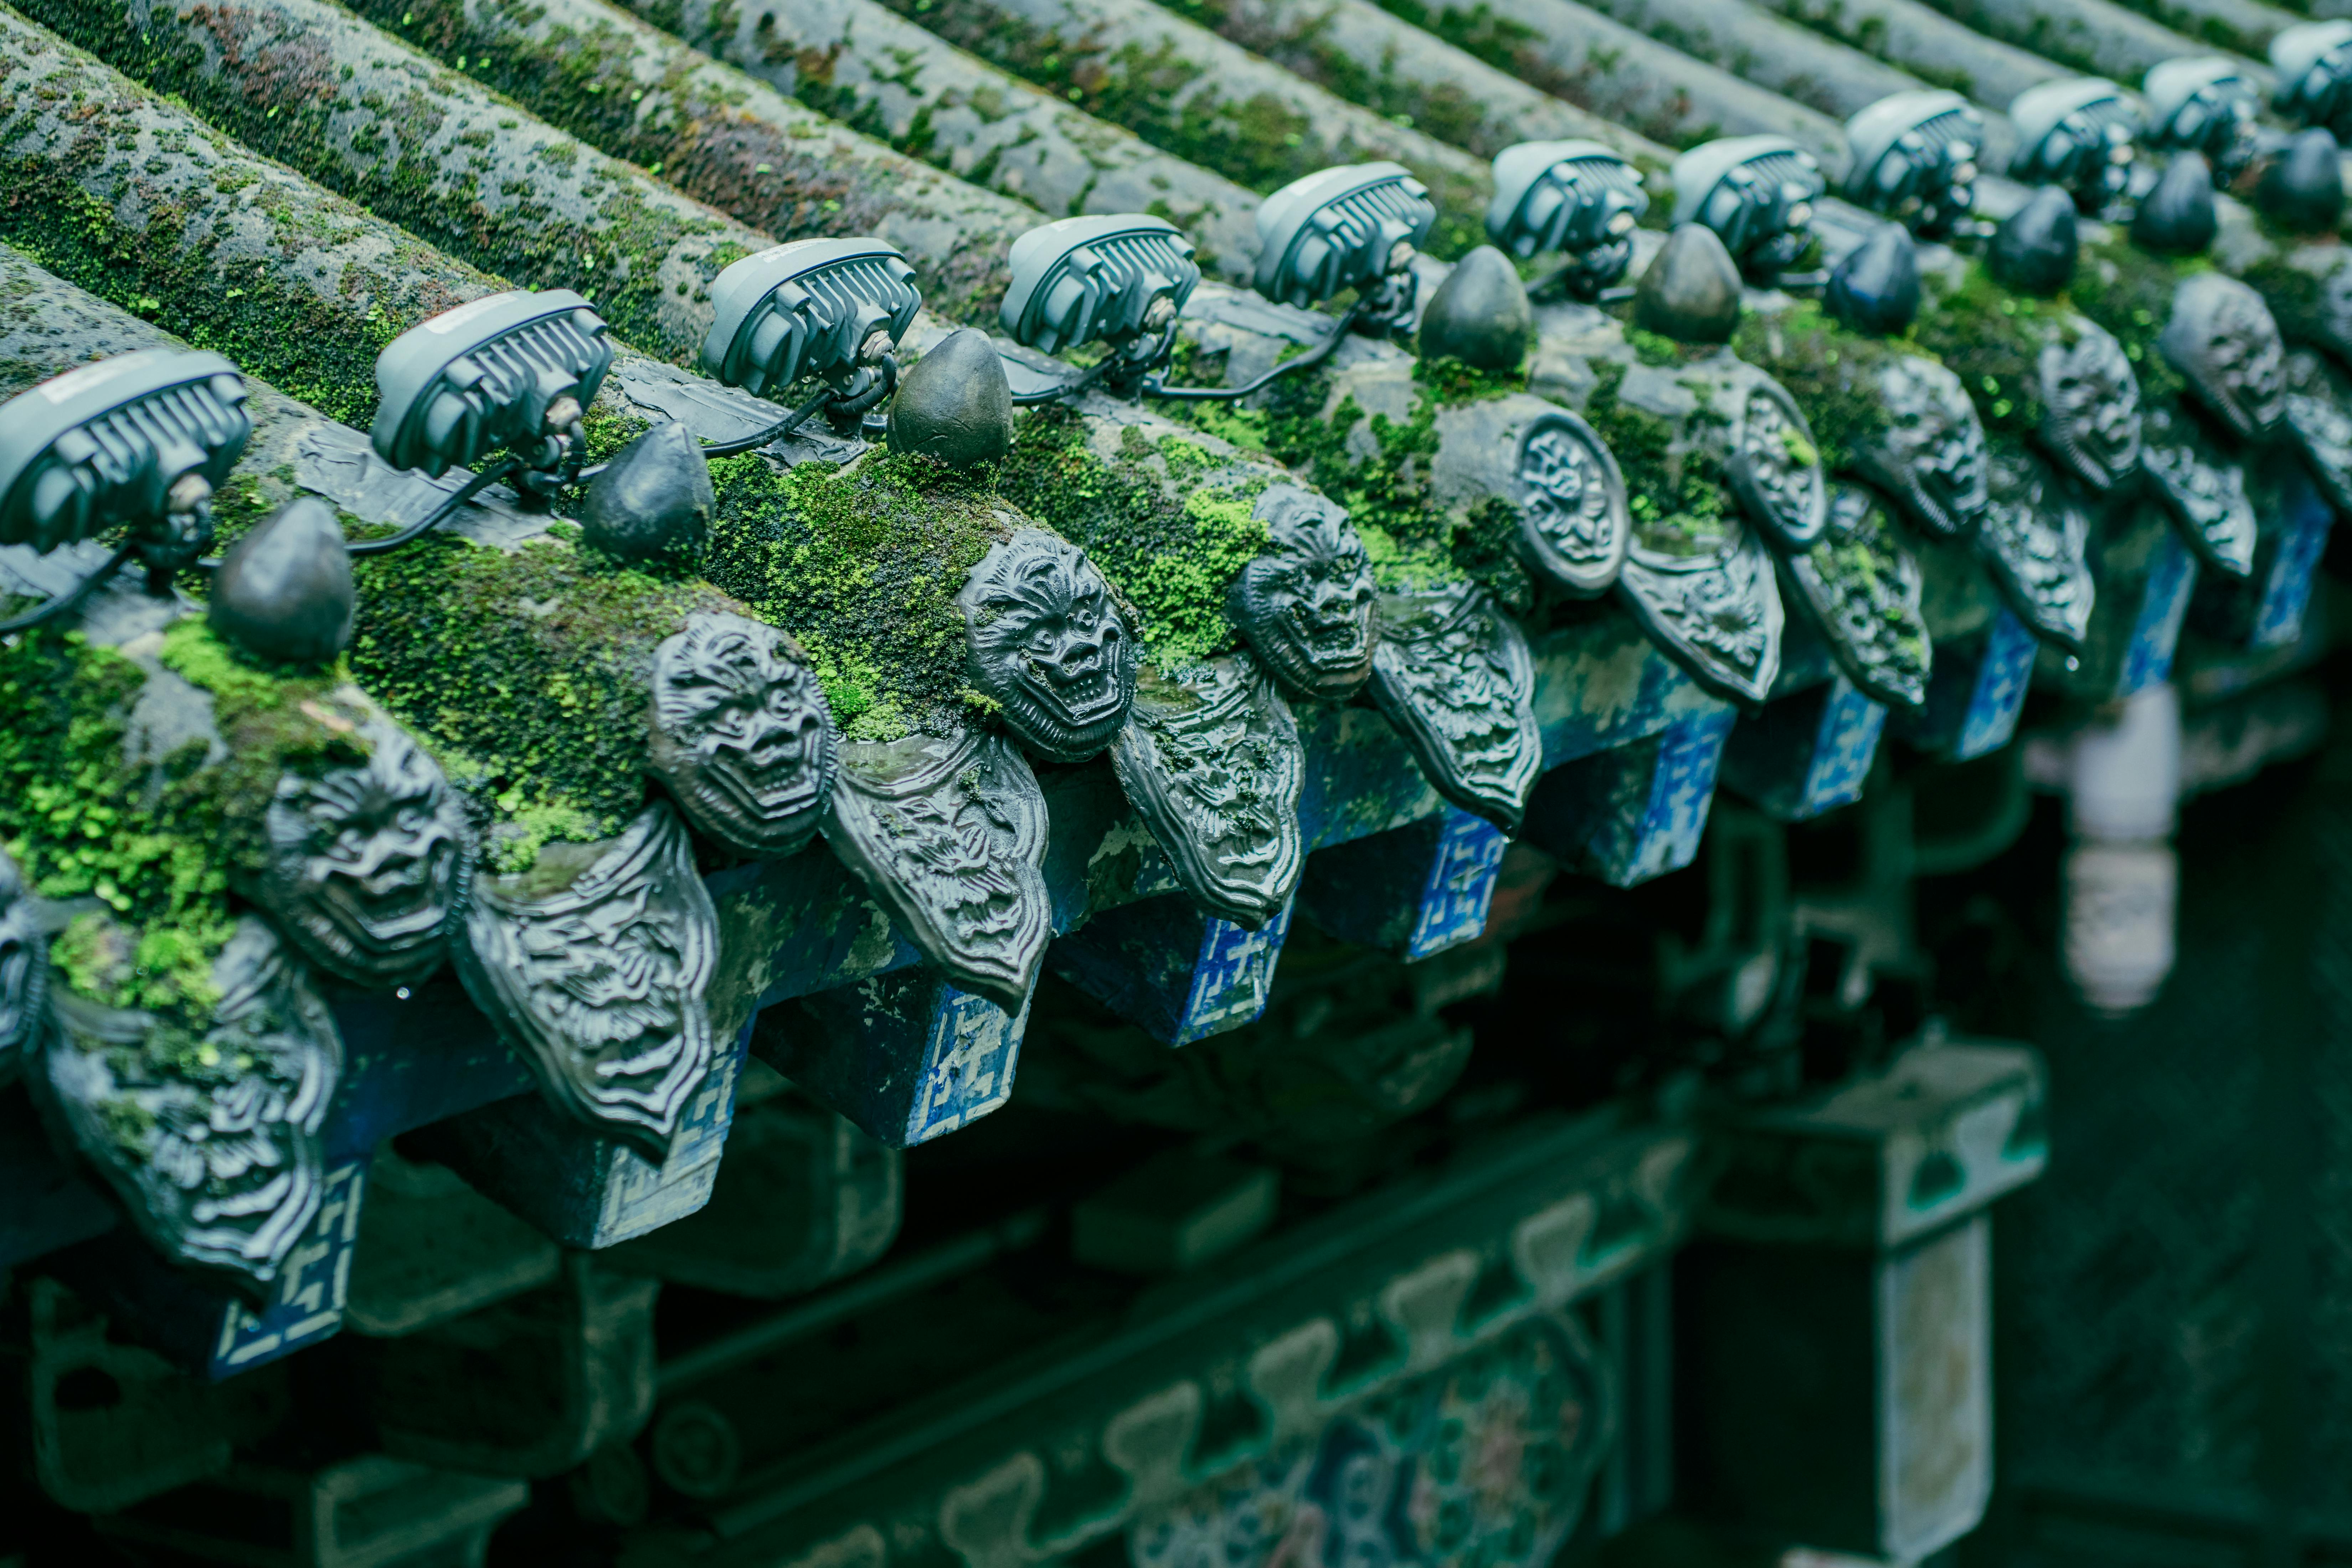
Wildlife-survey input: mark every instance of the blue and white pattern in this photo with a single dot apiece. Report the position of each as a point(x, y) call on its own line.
point(1460, 886)
point(974, 1049)
point(2003, 670)
point(2164, 605)
point(1232, 977)
point(1844, 745)
point(1682, 787)
point(312, 1285)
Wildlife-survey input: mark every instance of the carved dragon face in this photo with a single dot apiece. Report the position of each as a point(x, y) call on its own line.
point(2091, 408)
point(1307, 605)
point(1044, 638)
point(1931, 456)
point(741, 734)
point(364, 861)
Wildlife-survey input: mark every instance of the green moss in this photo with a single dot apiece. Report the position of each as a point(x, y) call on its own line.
point(284, 101)
point(2130, 292)
point(153, 848)
point(527, 673)
point(585, 81)
point(1412, 540)
point(1159, 93)
point(1167, 522)
point(1828, 368)
point(863, 565)
point(1992, 338)
point(1673, 488)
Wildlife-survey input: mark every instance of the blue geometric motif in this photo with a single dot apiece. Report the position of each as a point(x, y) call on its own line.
point(313, 1284)
point(2002, 671)
point(1232, 976)
point(1461, 885)
point(2288, 592)
point(968, 1067)
point(1682, 787)
point(1843, 746)
point(2164, 604)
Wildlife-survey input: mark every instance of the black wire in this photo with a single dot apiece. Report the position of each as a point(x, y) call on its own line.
point(70, 597)
point(773, 432)
point(1061, 389)
point(1329, 346)
point(441, 513)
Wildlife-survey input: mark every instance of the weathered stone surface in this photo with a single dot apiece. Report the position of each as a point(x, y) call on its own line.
point(2222, 337)
point(1863, 588)
point(955, 404)
point(1929, 458)
point(948, 835)
point(2204, 487)
point(2178, 218)
point(24, 968)
point(1454, 675)
point(1690, 291)
point(1210, 759)
point(1480, 314)
point(2033, 537)
point(2303, 189)
point(1306, 605)
point(367, 865)
point(654, 500)
point(284, 591)
point(2090, 401)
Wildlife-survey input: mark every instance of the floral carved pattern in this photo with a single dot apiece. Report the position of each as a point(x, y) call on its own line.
point(1453, 673)
point(948, 835)
point(1210, 760)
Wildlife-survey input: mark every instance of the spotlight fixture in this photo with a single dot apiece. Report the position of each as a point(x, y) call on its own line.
point(1914, 159)
point(513, 373)
point(1357, 226)
point(832, 308)
point(1578, 198)
point(138, 443)
point(2076, 134)
point(2202, 104)
point(2313, 65)
point(1757, 192)
point(1119, 280)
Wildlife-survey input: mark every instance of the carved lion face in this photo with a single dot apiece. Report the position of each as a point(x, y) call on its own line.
point(1306, 605)
point(364, 861)
point(1931, 457)
point(1044, 638)
point(2222, 338)
point(741, 734)
point(2091, 408)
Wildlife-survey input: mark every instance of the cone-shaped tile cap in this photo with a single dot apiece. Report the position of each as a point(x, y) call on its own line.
point(2034, 248)
point(1690, 291)
point(2176, 218)
point(1875, 289)
point(2303, 189)
point(1480, 314)
point(284, 591)
point(653, 499)
point(955, 404)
